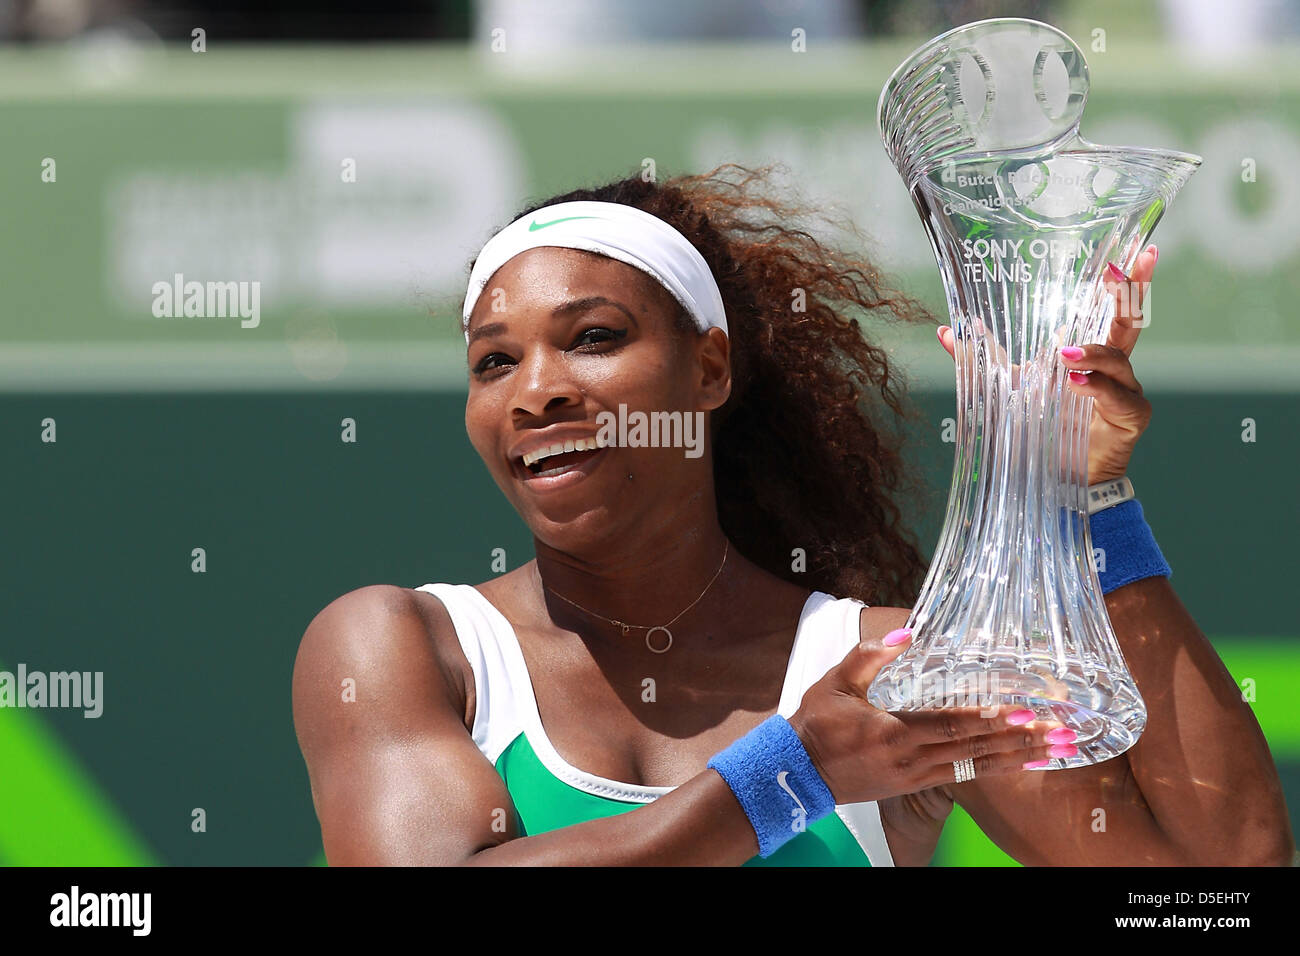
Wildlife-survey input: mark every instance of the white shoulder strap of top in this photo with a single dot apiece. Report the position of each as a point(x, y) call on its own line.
point(827, 630)
point(489, 651)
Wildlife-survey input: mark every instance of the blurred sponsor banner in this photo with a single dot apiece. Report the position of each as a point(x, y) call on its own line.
point(347, 190)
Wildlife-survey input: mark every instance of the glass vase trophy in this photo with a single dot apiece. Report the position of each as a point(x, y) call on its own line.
point(1023, 214)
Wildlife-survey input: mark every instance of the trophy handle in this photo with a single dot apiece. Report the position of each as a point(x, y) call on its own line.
point(1011, 86)
point(991, 86)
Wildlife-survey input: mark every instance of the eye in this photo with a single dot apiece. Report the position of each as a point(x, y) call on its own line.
point(601, 334)
point(488, 362)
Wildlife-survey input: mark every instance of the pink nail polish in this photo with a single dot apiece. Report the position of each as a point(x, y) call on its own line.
point(896, 637)
point(1115, 272)
point(1072, 352)
point(939, 333)
point(1020, 717)
point(1063, 750)
point(1061, 735)
point(1155, 253)
point(1078, 378)
point(1031, 764)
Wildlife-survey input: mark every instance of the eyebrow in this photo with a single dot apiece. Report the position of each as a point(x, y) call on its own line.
point(577, 305)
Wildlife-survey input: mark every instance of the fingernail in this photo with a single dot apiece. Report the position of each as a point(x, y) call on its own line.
point(1032, 764)
point(1063, 750)
point(896, 637)
point(1021, 717)
point(939, 332)
point(1115, 273)
point(1155, 253)
point(1072, 352)
point(1061, 735)
point(1078, 378)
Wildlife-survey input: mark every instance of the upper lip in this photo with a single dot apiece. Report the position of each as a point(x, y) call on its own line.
point(545, 439)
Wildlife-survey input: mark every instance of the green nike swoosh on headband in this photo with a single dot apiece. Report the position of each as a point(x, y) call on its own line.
point(535, 225)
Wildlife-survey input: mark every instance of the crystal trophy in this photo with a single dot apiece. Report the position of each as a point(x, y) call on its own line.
point(1023, 215)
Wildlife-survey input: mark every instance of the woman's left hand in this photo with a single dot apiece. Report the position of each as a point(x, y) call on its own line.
point(1119, 413)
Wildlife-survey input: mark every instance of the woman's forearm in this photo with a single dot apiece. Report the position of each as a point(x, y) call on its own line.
point(1198, 788)
point(1202, 762)
point(699, 823)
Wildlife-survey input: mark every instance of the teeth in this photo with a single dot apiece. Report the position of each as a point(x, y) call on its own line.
point(536, 456)
point(559, 448)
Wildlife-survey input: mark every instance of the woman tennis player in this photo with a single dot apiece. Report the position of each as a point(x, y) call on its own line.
point(679, 677)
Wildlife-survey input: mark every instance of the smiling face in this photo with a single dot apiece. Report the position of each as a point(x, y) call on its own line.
point(558, 337)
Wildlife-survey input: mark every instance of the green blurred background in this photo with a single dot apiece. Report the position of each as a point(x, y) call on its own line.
point(182, 433)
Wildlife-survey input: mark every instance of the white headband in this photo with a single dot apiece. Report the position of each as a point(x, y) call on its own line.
point(621, 232)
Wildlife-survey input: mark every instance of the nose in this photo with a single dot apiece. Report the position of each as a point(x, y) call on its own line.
point(544, 381)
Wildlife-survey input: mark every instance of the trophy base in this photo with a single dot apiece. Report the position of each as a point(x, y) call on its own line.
point(1108, 717)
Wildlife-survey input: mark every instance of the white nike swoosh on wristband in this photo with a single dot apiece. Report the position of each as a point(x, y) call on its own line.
point(780, 782)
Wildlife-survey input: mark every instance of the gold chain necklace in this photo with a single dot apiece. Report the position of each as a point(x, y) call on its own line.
point(657, 627)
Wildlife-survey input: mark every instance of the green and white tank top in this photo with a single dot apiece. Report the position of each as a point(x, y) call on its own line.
point(548, 793)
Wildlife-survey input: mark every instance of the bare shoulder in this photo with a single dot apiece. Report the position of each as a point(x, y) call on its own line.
point(876, 622)
point(376, 636)
point(396, 777)
point(364, 627)
point(506, 591)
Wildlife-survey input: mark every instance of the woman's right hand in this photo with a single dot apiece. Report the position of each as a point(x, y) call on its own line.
point(864, 753)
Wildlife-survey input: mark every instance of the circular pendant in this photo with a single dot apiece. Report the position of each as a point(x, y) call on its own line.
point(659, 650)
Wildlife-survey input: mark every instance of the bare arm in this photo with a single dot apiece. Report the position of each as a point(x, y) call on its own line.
point(1198, 788)
point(1203, 763)
point(396, 778)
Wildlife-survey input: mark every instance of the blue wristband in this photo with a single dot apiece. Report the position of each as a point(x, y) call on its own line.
point(775, 782)
point(1129, 549)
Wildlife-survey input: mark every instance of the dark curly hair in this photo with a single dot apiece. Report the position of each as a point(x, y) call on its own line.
point(807, 449)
